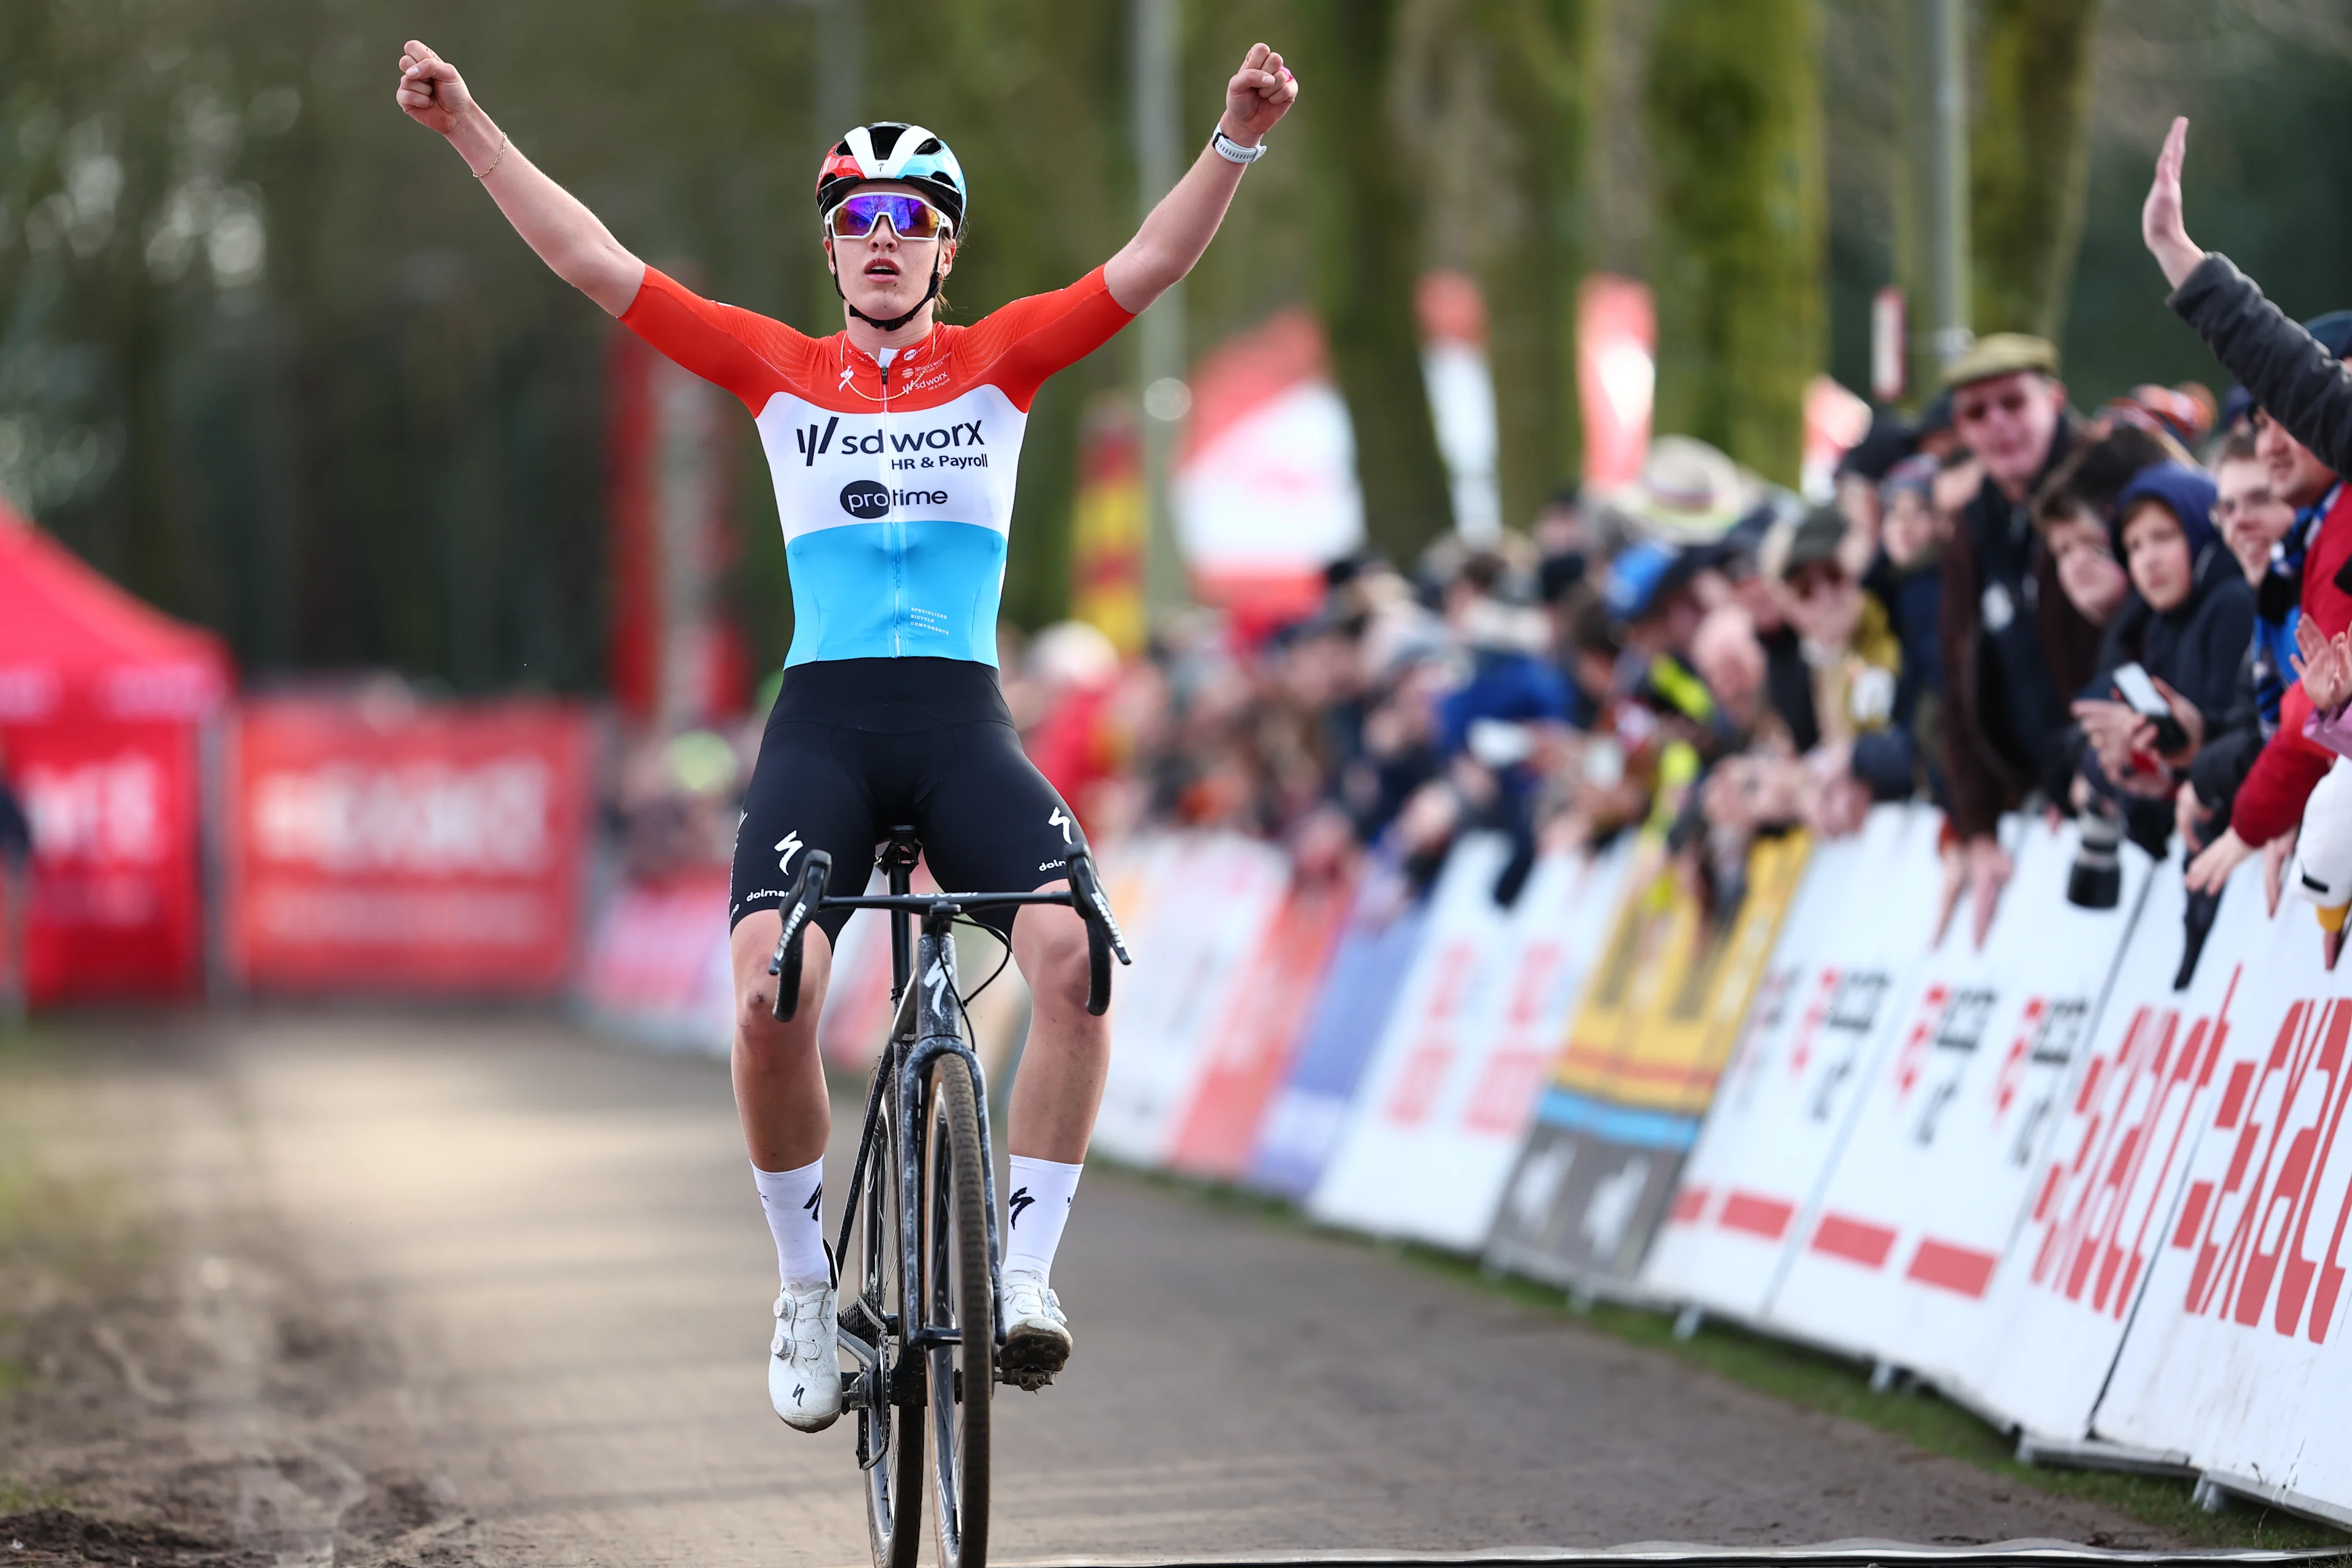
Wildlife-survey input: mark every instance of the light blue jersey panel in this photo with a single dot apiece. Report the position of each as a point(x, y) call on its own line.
point(923, 588)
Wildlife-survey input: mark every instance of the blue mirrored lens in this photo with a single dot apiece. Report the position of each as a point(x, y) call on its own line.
point(910, 217)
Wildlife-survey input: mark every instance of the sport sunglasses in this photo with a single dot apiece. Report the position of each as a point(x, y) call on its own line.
point(911, 218)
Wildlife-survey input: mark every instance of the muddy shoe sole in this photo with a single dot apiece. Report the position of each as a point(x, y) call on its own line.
point(1032, 1357)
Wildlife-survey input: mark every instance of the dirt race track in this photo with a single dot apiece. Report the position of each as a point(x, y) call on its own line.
point(457, 1289)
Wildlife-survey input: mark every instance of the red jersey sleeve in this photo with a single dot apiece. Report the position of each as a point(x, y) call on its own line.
point(1015, 348)
point(748, 354)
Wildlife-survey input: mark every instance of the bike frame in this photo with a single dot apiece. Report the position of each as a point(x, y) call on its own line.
point(925, 1024)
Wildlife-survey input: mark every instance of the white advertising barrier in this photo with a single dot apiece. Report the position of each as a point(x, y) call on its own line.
point(2104, 1195)
point(1210, 905)
point(1428, 1146)
point(1857, 933)
point(2237, 1354)
point(1899, 1261)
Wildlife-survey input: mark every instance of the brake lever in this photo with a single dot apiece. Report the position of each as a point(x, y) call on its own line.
point(1087, 886)
point(807, 894)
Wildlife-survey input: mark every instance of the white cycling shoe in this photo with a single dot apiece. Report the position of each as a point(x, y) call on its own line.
point(1037, 1335)
point(804, 1360)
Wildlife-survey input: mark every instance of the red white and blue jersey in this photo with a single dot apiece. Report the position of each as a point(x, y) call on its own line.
point(894, 481)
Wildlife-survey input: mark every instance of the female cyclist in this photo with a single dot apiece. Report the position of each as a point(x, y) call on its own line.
point(894, 444)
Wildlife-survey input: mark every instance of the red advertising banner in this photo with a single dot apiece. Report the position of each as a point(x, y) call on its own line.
point(1251, 1052)
point(115, 907)
point(422, 849)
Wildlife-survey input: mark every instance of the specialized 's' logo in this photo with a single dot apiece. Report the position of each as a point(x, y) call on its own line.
point(865, 498)
point(815, 1204)
point(787, 847)
point(1061, 819)
point(1013, 1205)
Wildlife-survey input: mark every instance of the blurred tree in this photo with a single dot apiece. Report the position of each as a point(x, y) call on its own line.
point(1546, 57)
point(1368, 257)
point(2029, 152)
point(1735, 129)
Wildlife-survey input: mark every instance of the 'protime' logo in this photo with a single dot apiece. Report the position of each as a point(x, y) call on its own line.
point(867, 499)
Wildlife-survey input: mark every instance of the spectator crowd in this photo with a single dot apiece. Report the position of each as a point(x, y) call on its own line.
point(2135, 617)
point(2138, 618)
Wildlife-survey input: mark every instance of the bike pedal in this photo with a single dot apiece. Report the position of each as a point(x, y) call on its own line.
point(1029, 1382)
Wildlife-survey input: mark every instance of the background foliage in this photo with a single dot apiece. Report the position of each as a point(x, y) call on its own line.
point(270, 358)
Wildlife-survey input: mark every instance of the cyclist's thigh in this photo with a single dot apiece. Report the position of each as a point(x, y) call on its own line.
point(809, 791)
point(990, 821)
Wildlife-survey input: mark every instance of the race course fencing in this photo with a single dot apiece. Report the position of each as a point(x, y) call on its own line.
point(2109, 1216)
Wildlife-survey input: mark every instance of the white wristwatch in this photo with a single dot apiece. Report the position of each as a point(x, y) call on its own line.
point(1232, 151)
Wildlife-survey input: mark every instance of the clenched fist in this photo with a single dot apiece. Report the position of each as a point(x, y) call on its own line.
point(431, 92)
point(1260, 94)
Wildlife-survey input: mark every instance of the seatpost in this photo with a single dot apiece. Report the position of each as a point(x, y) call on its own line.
point(899, 866)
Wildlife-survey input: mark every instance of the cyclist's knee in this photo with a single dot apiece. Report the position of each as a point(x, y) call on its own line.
point(1051, 943)
point(754, 944)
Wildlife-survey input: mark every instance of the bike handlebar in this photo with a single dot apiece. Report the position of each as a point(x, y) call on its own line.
point(1085, 894)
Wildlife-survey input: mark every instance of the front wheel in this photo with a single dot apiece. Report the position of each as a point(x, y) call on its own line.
point(960, 1301)
point(890, 1426)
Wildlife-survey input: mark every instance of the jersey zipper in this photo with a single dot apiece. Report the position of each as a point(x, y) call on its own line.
point(896, 533)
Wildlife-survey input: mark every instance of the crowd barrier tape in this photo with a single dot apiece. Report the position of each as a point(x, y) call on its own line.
point(1250, 1050)
point(1660, 1014)
point(1216, 895)
point(2236, 1353)
point(1375, 952)
point(1898, 1260)
point(1451, 1088)
point(2106, 1190)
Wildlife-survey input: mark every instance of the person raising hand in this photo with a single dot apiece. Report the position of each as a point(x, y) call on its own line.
point(894, 443)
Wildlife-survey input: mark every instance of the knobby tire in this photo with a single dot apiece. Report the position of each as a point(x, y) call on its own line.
point(961, 1293)
point(894, 1488)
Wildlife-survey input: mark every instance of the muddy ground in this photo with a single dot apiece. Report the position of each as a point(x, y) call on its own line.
point(441, 1290)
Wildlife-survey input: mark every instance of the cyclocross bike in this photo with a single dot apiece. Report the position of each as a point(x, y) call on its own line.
point(922, 1326)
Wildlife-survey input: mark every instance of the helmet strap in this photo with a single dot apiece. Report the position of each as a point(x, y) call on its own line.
point(894, 322)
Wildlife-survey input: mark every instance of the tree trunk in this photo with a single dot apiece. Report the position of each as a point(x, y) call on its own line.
point(1368, 246)
point(2028, 157)
point(1546, 57)
point(1734, 111)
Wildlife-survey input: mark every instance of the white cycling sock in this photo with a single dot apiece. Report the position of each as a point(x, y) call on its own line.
point(795, 1204)
point(1036, 1207)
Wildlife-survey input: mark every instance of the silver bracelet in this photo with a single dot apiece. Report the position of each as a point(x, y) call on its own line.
point(500, 157)
point(1232, 151)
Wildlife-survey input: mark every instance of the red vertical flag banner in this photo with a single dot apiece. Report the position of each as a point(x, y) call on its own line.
point(675, 657)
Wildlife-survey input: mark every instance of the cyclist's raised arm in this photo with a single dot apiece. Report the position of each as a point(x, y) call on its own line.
point(567, 235)
point(1179, 229)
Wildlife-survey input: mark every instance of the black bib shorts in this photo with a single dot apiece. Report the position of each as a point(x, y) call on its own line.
point(856, 746)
